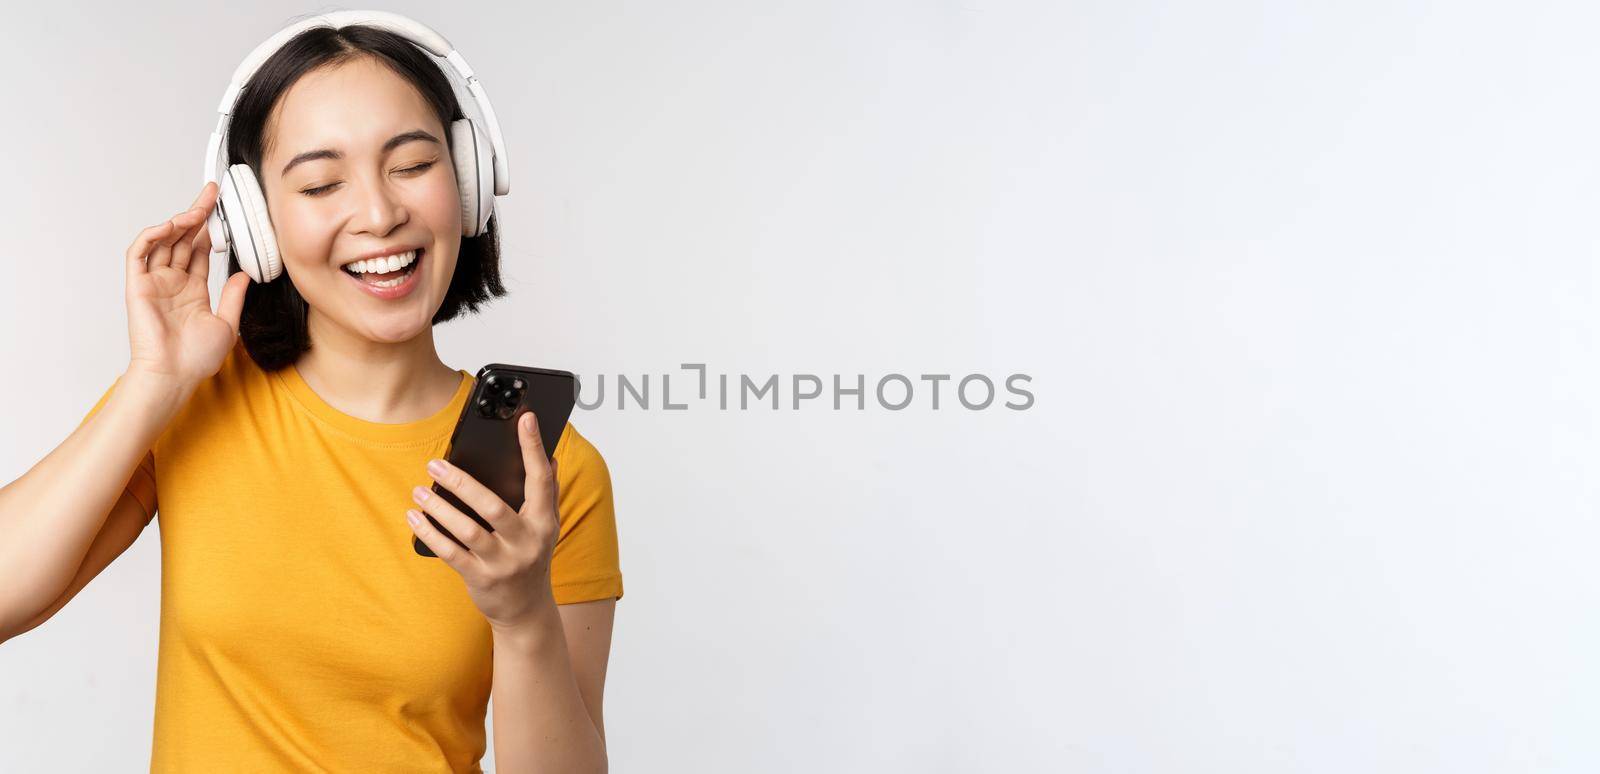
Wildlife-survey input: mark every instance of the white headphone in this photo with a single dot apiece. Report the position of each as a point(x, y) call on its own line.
point(240, 220)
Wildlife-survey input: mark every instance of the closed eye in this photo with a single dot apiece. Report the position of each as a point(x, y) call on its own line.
point(324, 189)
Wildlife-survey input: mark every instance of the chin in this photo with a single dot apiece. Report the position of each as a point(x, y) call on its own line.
point(396, 326)
point(399, 331)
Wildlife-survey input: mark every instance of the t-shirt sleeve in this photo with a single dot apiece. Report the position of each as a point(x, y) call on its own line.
point(585, 564)
point(142, 484)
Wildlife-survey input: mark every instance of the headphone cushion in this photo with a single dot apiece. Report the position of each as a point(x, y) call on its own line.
point(473, 156)
point(254, 204)
point(233, 227)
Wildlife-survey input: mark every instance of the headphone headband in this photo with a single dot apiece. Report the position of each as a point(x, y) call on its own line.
point(412, 30)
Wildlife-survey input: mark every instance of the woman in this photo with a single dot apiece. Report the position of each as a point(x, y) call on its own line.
point(287, 434)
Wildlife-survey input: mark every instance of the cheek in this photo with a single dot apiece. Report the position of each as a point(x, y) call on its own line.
point(304, 233)
point(442, 207)
point(445, 268)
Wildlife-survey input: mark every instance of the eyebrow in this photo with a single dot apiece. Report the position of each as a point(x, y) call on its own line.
point(328, 153)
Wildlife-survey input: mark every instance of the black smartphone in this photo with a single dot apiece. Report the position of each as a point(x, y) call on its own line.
point(485, 443)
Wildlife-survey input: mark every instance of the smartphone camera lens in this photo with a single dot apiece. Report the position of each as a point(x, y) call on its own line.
point(501, 396)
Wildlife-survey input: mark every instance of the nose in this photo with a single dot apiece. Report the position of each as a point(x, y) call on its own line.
point(380, 210)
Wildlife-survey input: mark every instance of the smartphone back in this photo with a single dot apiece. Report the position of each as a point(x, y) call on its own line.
point(485, 442)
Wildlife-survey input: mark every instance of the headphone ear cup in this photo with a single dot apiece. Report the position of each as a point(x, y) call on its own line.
point(232, 231)
point(473, 156)
point(263, 243)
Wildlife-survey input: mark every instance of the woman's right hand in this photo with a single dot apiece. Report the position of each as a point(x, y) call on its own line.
point(172, 332)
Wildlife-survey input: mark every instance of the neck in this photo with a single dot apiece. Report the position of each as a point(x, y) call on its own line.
point(386, 382)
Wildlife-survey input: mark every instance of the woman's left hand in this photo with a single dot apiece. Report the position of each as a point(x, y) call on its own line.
point(507, 571)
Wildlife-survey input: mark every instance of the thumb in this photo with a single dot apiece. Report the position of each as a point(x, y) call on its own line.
point(231, 305)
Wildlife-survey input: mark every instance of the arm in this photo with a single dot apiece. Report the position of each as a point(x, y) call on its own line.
point(66, 518)
point(549, 659)
point(53, 516)
point(128, 518)
point(549, 677)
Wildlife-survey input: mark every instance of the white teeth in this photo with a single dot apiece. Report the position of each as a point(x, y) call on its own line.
point(383, 265)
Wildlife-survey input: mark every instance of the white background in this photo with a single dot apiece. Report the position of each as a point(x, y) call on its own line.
point(1307, 292)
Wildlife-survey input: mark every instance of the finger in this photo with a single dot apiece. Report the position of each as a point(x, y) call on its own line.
point(209, 188)
point(182, 249)
point(446, 549)
point(161, 251)
point(231, 304)
point(200, 255)
point(481, 499)
point(198, 209)
point(474, 537)
point(534, 461)
point(135, 256)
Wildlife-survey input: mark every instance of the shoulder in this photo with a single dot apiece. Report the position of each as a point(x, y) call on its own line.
point(239, 369)
point(585, 565)
point(238, 377)
point(578, 463)
point(236, 399)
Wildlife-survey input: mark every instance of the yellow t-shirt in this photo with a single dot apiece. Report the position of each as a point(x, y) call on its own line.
point(299, 629)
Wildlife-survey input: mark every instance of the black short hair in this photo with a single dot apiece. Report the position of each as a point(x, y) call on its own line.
point(273, 322)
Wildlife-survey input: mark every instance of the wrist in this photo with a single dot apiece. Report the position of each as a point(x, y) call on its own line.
point(153, 383)
point(155, 394)
point(536, 627)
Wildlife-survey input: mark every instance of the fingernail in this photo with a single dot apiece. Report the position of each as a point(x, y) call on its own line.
point(421, 494)
point(436, 468)
point(413, 517)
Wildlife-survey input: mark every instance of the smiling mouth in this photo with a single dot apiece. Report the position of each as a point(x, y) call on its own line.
point(386, 279)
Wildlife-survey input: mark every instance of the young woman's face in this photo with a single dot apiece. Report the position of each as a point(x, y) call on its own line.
point(356, 164)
